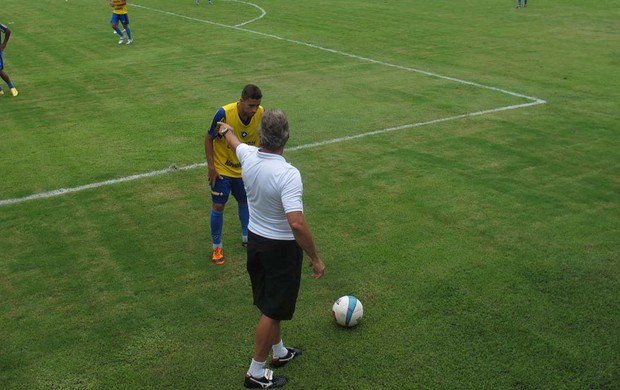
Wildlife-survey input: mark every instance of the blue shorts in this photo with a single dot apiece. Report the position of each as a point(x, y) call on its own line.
point(124, 19)
point(223, 187)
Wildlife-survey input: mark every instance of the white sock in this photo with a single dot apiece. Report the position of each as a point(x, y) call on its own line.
point(257, 369)
point(279, 350)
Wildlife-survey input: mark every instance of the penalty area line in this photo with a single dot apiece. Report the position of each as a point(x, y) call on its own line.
point(413, 125)
point(239, 27)
point(173, 168)
point(63, 191)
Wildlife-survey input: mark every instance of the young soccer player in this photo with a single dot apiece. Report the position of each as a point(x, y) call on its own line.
point(224, 169)
point(7, 33)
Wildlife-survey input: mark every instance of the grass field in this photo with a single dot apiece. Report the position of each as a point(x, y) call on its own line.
point(461, 168)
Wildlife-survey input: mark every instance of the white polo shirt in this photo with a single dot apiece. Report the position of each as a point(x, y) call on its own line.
point(274, 188)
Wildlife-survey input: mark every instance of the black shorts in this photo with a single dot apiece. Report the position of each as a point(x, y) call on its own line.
point(274, 267)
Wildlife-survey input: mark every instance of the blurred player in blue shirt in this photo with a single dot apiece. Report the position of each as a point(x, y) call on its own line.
point(7, 33)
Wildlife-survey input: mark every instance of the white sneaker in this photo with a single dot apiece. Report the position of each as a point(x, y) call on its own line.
point(129, 41)
point(120, 40)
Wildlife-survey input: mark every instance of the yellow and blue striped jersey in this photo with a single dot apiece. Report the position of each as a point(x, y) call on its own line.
point(119, 6)
point(224, 158)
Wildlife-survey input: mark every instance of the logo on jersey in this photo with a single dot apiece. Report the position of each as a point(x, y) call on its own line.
point(232, 164)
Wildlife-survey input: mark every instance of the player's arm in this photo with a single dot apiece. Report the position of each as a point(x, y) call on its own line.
point(303, 236)
point(212, 172)
point(7, 34)
point(209, 137)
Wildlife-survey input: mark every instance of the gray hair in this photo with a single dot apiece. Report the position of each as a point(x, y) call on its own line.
point(273, 130)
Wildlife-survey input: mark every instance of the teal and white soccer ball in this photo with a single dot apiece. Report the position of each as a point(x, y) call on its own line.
point(347, 311)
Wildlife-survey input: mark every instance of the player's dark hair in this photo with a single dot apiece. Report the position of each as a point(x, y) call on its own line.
point(251, 91)
point(274, 130)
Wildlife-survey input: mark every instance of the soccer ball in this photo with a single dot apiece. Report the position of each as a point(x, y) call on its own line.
point(347, 311)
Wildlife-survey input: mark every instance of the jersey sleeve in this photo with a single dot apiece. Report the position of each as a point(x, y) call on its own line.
point(219, 116)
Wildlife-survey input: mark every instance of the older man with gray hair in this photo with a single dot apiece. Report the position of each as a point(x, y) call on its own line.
point(278, 236)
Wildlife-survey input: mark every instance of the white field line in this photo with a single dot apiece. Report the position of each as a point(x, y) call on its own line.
point(533, 101)
point(63, 191)
point(262, 14)
point(341, 53)
point(411, 125)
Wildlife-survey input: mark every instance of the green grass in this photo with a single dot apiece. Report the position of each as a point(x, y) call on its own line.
point(485, 249)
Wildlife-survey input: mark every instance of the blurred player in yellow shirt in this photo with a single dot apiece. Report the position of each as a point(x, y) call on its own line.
point(119, 14)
